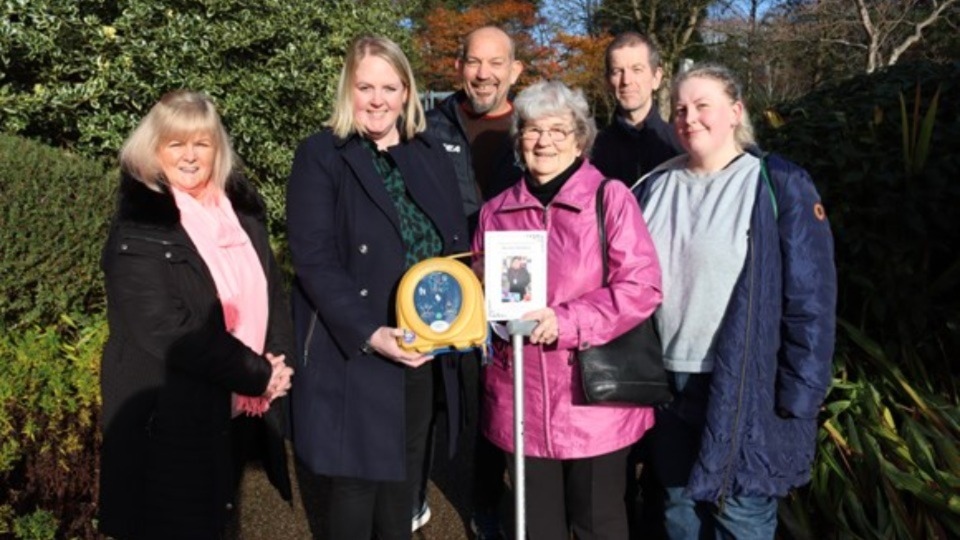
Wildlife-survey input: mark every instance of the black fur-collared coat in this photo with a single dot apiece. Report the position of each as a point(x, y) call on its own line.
point(171, 454)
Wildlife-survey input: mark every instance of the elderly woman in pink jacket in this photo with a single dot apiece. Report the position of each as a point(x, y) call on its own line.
point(575, 452)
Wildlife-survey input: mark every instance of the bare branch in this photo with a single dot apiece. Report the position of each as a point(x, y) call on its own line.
point(866, 21)
point(873, 37)
point(693, 21)
point(651, 20)
point(843, 42)
point(918, 31)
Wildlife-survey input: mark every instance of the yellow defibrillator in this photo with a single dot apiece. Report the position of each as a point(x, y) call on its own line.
point(440, 307)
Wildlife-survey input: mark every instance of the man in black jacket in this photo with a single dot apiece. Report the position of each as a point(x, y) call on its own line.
point(474, 123)
point(637, 140)
point(474, 126)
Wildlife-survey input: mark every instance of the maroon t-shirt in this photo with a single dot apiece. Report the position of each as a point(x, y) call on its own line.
point(487, 136)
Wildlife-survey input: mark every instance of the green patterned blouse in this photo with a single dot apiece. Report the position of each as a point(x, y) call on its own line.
point(419, 234)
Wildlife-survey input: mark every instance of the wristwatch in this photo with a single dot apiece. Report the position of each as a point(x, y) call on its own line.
point(366, 348)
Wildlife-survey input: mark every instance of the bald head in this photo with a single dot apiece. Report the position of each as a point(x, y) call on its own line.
point(488, 35)
point(488, 68)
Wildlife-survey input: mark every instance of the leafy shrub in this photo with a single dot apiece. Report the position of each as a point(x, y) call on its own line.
point(53, 223)
point(888, 465)
point(82, 73)
point(896, 224)
point(49, 408)
point(40, 525)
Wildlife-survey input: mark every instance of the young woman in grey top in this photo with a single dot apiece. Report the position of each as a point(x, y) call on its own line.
point(747, 319)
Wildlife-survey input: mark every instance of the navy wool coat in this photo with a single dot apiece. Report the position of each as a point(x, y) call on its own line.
point(167, 468)
point(348, 255)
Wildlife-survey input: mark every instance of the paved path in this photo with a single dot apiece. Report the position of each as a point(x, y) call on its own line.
point(265, 516)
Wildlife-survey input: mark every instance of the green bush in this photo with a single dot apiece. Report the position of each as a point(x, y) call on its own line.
point(885, 153)
point(49, 408)
point(894, 218)
point(53, 222)
point(82, 73)
point(40, 525)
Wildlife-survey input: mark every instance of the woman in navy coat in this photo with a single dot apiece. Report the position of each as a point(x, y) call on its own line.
point(369, 196)
point(747, 322)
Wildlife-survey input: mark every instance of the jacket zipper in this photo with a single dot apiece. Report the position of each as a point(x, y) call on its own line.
point(543, 374)
point(306, 344)
point(150, 239)
point(725, 485)
point(166, 243)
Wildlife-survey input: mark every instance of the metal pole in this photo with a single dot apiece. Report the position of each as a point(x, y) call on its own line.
point(518, 330)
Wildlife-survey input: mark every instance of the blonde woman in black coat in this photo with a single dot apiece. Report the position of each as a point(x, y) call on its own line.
point(199, 331)
point(368, 197)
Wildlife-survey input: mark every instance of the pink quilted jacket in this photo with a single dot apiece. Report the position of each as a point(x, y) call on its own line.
point(558, 423)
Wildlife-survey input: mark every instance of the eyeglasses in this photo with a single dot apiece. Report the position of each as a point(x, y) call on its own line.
point(533, 134)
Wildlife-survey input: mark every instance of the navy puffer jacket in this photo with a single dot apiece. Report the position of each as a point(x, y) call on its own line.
point(773, 351)
point(444, 124)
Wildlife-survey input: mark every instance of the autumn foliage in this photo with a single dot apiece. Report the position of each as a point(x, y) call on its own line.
point(438, 41)
point(583, 67)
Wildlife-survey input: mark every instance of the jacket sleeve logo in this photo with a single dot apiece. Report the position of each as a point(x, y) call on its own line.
point(819, 212)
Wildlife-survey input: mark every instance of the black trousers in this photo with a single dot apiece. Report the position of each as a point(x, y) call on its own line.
point(359, 509)
point(489, 462)
point(583, 496)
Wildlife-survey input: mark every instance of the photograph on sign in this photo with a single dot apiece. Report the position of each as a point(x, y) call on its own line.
point(515, 263)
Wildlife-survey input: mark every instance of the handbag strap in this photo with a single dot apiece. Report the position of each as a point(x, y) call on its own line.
point(602, 228)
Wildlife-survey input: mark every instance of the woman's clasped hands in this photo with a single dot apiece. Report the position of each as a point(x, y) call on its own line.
point(280, 378)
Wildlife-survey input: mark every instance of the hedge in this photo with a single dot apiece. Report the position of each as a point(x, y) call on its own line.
point(885, 152)
point(53, 221)
point(82, 73)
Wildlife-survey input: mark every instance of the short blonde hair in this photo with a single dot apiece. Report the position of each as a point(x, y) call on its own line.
point(343, 121)
point(178, 114)
point(743, 133)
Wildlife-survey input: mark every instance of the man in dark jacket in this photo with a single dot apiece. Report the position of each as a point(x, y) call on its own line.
point(637, 140)
point(474, 123)
point(474, 126)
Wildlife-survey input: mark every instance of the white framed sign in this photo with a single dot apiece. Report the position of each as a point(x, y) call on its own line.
point(515, 273)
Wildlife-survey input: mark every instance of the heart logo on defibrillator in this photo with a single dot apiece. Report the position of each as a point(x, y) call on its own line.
point(440, 306)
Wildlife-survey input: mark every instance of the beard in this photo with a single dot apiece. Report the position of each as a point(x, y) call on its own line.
point(479, 107)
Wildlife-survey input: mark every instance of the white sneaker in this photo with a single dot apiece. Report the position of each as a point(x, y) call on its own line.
point(422, 517)
point(486, 526)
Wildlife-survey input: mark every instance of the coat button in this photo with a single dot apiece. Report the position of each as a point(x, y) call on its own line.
point(364, 292)
point(456, 238)
point(168, 254)
point(123, 247)
point(363, 249)
point(229, 507)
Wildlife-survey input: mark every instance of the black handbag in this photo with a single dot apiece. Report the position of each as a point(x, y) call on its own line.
point(628, 369)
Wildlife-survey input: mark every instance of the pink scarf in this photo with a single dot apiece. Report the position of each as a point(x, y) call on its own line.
point(237, 272)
